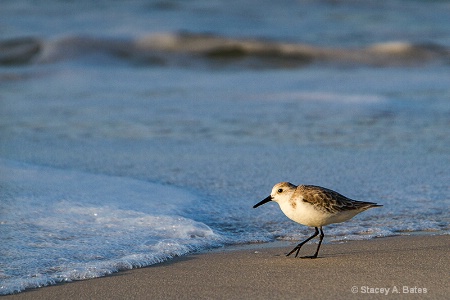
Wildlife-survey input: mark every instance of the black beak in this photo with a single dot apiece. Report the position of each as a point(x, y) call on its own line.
point(268, 199)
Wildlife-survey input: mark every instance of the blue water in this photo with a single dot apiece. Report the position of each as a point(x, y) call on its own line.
point(133, 132)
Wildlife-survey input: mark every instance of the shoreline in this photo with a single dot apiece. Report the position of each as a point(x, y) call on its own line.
point(401, 265)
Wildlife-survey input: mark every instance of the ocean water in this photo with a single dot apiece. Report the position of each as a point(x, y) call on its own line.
point(133, 132)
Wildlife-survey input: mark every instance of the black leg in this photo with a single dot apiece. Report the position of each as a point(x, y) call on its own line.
point(318, 246)
point(297, 248)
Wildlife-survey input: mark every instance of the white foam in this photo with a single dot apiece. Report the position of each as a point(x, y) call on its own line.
point(66, 225)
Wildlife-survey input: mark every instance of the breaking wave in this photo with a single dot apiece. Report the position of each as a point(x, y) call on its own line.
point(188, 49)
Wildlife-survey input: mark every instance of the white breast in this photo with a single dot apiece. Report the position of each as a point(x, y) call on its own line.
point(306, 214)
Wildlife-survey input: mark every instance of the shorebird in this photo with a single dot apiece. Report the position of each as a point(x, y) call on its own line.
point(314, 206)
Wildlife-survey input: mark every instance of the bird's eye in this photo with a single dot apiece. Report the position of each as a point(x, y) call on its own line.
point(280, 190)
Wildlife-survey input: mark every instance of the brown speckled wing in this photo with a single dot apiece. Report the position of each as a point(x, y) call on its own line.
point(329, 200)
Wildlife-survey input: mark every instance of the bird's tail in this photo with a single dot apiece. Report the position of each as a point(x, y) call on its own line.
point(366, 205)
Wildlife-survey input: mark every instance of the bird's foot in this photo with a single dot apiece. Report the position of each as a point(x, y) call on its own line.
point(293, 250)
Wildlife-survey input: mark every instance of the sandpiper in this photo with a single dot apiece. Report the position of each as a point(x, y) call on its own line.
point(314, 206)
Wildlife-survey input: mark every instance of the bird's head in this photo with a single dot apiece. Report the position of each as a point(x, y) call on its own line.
point(280, 192)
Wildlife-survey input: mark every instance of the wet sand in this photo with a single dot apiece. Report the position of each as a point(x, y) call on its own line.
point(413, 267)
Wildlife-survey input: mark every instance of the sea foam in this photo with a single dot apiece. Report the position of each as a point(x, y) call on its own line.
point(64, 225)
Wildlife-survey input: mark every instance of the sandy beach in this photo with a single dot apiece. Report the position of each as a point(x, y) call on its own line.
point(400, 267)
